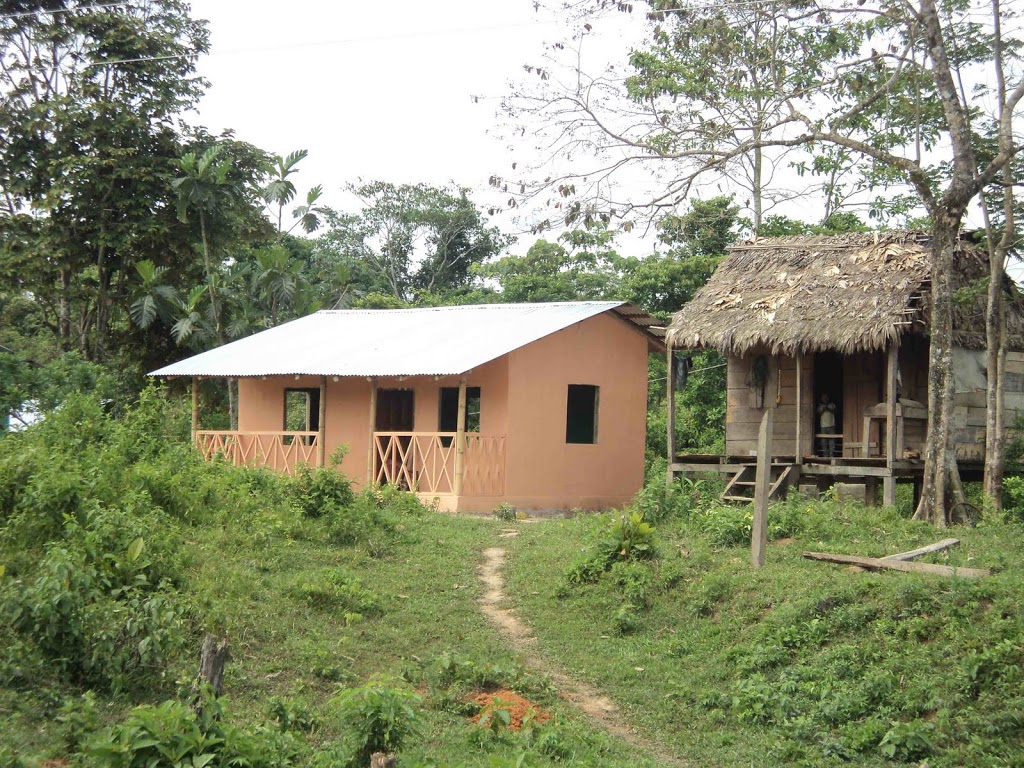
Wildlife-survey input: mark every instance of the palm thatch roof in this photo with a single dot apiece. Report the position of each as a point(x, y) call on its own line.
point(847, 293)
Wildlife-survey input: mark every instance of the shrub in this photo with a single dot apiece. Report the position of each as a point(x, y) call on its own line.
point(101, 610)
point(505, 512)
point(321, 491)
point(726, 526)
point(174, 734)
point(377, 717)
point(630, 537)
point(336, 589)
point(907, 741)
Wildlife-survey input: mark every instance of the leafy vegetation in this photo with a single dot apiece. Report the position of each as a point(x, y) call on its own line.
point(119, 548)
point(800, 663)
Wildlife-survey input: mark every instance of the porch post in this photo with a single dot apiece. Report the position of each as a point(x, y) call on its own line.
point(322, 437)
point(460, 438)
point(889, 483)
point(799, 406)
point(372, 448)
point(195, 408)
point(670, 394)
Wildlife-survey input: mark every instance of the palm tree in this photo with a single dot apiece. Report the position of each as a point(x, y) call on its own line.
point(153, 299)
point(206, 188)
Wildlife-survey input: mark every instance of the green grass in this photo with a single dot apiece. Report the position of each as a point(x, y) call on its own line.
point(246, 579)
point(801, 662)
point(121, 548)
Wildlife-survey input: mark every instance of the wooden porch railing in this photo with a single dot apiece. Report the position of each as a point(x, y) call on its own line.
point(277, 450)
point(424, 462)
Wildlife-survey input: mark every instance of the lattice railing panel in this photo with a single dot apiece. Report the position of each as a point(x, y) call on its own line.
point(282, 451)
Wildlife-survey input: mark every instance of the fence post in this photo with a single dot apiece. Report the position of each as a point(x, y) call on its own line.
point(460, 438)
point(762, 484)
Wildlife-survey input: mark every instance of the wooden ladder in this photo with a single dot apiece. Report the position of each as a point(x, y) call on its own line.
point(741, 487)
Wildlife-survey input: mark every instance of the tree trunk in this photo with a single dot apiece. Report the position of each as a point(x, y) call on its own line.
point(995, 337)
point(64, 310)
point(758, 192)
point(942, 489)
point(218, 320)
point(995, 311)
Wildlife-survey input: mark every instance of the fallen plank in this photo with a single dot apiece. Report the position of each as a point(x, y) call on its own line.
point(899, 565)
point(936, 547)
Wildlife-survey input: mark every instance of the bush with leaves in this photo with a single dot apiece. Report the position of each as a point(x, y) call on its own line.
point(628, 537)
point(102, 610)
point(377, 717)
point(93, 508)
point(176, 734)
point(321, 491)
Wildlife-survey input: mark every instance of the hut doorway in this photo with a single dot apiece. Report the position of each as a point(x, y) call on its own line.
point(396, 409)
point(828, 382)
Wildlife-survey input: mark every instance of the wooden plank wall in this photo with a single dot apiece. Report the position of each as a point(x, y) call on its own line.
point(863, 387)
point(864, 383)
point(969, 412)
point(743, 416)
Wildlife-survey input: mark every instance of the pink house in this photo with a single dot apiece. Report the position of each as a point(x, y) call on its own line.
point(541, 406)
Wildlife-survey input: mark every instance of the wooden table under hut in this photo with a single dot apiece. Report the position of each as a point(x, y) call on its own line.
point(832, 333)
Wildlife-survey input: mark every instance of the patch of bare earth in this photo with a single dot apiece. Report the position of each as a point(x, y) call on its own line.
point(520, 710)
point(596, 706)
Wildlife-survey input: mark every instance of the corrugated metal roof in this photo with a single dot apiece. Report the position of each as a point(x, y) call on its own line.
point(397, 342)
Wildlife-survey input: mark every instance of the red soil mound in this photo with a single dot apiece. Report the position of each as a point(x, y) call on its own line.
point(517, 707)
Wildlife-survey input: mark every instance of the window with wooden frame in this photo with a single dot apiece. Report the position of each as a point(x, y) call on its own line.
point(581, 406)
point(448, 411)
point(302, 412)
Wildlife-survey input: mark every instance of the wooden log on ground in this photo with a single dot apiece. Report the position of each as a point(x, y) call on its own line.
point(936, 547)
point(874, 564)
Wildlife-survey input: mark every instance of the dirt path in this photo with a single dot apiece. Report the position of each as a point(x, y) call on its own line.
point(598, 708)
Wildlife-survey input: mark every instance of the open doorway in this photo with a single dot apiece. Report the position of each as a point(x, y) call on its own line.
point(828, 396)
point(395, 413)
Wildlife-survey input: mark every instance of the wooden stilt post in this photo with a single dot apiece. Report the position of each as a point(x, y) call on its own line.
point(762, 484)
point(670, 394)
point(798, 453)
point(889, 482)
point(371, 450)
point(321, 438)
point(195, 408)
point(460, 439)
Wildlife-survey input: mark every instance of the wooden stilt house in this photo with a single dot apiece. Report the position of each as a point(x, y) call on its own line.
point(811, 324)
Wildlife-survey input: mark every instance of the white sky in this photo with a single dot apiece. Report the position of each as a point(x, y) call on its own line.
point(385, 90)
point(373, 90)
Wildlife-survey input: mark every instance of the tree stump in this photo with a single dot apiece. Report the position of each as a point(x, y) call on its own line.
point(212, 659)
point(381, 760)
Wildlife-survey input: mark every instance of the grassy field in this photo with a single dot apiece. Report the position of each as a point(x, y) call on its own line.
point(120, 548)
point(799, 663)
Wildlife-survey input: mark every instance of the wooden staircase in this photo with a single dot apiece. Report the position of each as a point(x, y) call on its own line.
point(741, 487)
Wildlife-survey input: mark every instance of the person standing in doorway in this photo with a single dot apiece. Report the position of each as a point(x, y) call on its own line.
point(827, 427)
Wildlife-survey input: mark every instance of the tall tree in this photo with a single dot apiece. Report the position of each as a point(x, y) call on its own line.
point(408, 241)
point(91, 93)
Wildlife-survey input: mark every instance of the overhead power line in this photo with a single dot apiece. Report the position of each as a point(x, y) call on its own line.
point(64, 12)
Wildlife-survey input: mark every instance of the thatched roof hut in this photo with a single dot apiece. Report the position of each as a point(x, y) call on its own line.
point(847, 293)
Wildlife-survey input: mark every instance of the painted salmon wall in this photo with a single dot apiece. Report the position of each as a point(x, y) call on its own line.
point(261, 407)
point(542, 470)
point(523, 398)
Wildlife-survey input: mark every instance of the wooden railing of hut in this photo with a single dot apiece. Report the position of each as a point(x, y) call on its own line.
point(427, 462)
point(282, 451)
